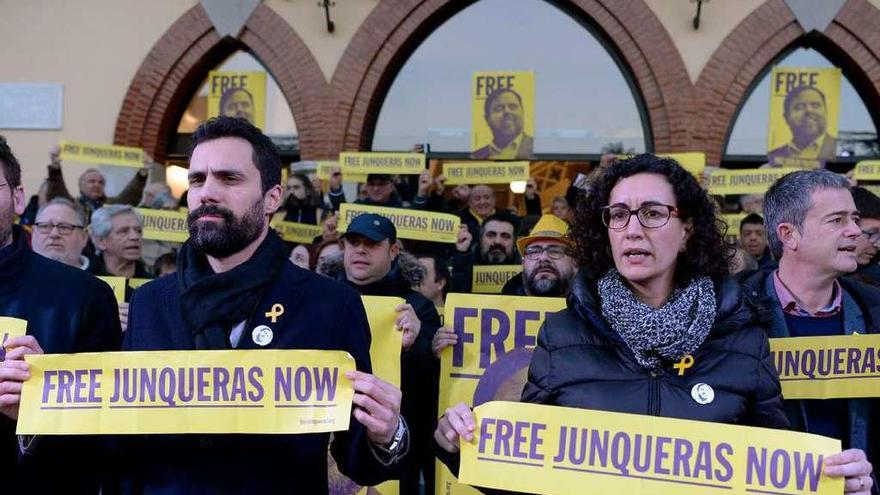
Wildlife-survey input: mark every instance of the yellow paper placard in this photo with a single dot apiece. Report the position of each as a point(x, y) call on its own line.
point(804, 104)
point(502, 115)
point(134, 283)
point(253, 391)
point(485, 172)
point(745, 181)
point(385, 356)
point(868, 170)
point(238, 94)
point(302, 233)
point(834, 367)
point(9, 328)
point(490, 279)
point(325, 168)
point(118, 285)
point(165, 225)
point(733, 221)
point(558, 450)
point(873, 188)
point(692, 161)
point(381, 163)
point(410, 224)
point(102, 154)
point(496, 336)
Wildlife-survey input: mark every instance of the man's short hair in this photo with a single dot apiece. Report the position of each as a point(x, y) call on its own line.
point(867, 202)
point(497, 217)
point(265, 154)
point(751, 219)
point(795, 92)
point(102, 219)
point(75, 207)
point(788, 200)
point(11, 167)
point(495, 94)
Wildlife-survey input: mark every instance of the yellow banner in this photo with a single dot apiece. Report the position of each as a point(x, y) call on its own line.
point(381, 163)
point(558, 450)
point(410, 224)
point(102, 154)
point(745, 181)
point(496, 336)
point(868, 170)
point(9, 328)
point(325, 168)
point(804, 104)
point(302, 233)
point(118, 285)
point(385, 356)
point(692, 161)
point(254, 391)
point(134, 283)
point(238, 94)
point(490, 279)
point(502, 115)
point(834, 367)
point(733, 221)
point(165, 225)
point(873, 188)
point(485, 172)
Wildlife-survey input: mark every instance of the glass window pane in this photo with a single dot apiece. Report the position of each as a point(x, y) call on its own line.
point(749, 136)
point(582, 101)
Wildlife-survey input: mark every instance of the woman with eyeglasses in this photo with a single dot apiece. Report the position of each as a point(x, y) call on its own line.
point(654, 325)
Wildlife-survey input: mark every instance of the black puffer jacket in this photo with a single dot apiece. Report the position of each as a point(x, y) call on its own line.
point(582, 362)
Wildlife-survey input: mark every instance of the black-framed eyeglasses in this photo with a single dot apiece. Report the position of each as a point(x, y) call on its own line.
point(63, 228)
point(651, 216)
point(553, 252)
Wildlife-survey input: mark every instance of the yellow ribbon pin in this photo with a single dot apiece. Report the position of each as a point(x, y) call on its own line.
point(685, 363)
point(277, 310)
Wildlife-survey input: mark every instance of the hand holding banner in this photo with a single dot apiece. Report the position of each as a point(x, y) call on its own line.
point(556, 450)
point(10, 328)
point(255, 391)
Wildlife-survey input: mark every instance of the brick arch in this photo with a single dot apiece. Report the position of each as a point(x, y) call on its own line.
point(737, 66)
point(393, 31)
point(178, 63)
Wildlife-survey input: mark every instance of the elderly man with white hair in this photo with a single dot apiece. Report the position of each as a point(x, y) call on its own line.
point(117, 234)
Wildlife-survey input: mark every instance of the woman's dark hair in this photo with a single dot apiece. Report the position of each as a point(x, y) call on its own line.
point(705, 253)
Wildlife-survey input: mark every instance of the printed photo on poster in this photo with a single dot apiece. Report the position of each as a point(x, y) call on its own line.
point(804, 104)
point(238, 94)
point(503, 116)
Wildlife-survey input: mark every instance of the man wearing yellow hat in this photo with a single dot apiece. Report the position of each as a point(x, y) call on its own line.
point(548, 265)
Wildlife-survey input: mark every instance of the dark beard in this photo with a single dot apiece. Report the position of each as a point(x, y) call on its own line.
point(495, 255)
point(228, 238)
point(545, 287)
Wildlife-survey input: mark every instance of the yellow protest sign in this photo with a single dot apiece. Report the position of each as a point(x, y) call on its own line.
point(873, 188)
point(867, 170)
point(834, 367)
point(733, 221)
point(238, 94)
point(485, 172)
point(118, 285)
point(490, 279)
point(254, 391)
point(165, 225)
point(410, 224)
point(804, 104)
point(496, 336)
point(325, 169)
point(692, 161)
point(385, 351)
point(745, 181)
point(134, 283)
point(558, 450)
point(302, 233)
point(502, 115)
point(10, 328)
point(381, 163)
point(122, 156)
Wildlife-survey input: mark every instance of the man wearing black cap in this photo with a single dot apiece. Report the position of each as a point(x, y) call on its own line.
point(372, 261)
point(380, 192)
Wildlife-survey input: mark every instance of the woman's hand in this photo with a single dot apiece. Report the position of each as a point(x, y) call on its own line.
point(457, 423)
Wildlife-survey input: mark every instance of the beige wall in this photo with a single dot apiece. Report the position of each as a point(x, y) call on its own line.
point(717, 20)
point(309, 22)
point(92, 47)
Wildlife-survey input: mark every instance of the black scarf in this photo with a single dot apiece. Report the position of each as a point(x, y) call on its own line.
point(213, 303)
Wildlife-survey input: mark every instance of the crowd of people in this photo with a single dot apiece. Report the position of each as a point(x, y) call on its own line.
point(638, 251)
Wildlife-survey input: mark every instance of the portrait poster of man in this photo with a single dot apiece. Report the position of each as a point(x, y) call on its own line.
point(238, 94)
point(503, 117)
point(804, 104)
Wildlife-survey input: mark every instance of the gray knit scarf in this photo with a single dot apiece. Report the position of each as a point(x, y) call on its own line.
point(668, 333)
